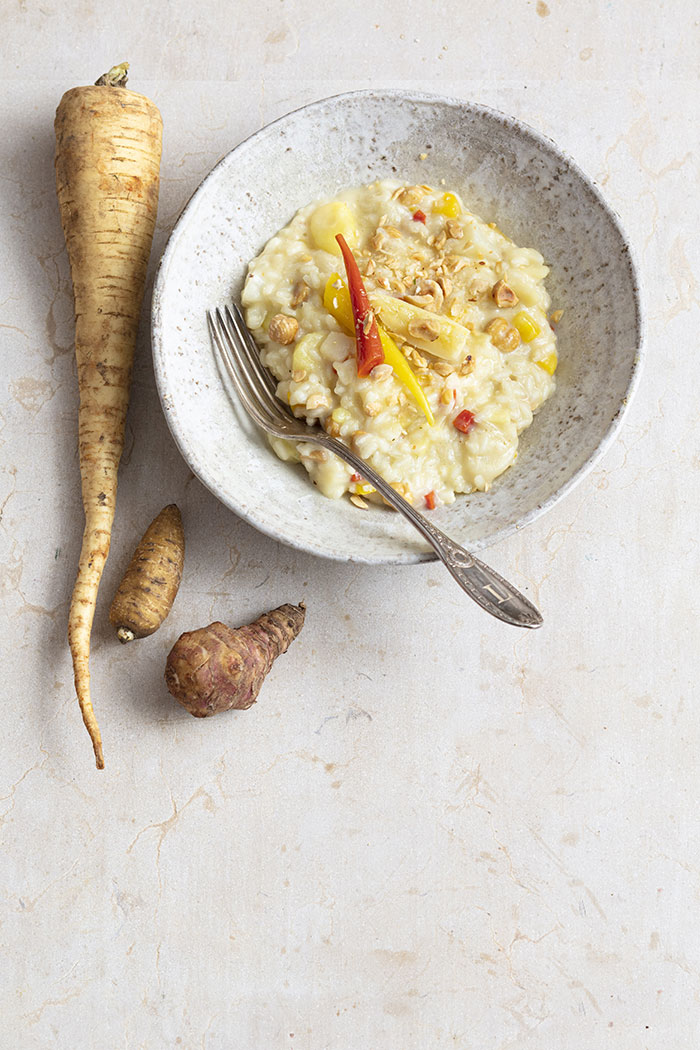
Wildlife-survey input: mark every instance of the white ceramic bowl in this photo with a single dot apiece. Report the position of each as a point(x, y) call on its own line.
point(506, 173)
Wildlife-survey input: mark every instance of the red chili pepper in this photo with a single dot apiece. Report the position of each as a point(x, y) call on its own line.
point(464, 421)
point(356, 477)
point(430, 500)
point(369, 345)
point(419, 216)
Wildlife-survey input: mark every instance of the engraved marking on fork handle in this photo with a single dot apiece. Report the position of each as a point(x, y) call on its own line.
point(500, 598)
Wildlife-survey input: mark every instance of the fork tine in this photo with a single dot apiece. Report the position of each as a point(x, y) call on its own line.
point(248, 368)
point(248, 362)
point(222, 341)
point(253, 351)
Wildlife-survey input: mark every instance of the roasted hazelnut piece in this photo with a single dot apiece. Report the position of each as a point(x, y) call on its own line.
point(503, 335)
point(503, 295)
point(283, 329)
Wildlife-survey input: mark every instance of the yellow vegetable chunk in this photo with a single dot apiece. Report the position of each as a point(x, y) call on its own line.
point(306, 357)
point(527, 290)
point(500, 416)
point(340, 416)
point(527, 326)
point(286, 450)
point(549, 363)
point(439, 335)
point(330, 219)
point(448, 205)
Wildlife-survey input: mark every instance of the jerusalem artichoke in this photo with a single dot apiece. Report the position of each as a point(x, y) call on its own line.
point(216, 668)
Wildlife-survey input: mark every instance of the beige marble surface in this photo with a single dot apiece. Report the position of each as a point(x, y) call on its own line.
point(432, 831)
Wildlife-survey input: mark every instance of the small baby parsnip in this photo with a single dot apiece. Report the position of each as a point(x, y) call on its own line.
point(147, 592)
point(217, 668)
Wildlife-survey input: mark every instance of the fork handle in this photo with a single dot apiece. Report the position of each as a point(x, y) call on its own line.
point(486, 586)
point(483, 584)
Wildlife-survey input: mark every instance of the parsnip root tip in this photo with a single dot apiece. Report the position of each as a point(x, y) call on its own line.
point(99, 757)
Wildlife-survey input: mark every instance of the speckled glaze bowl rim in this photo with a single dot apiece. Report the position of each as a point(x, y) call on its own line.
point(466, 107)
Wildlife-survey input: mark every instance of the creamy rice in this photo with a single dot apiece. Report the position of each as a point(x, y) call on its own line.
point(437, 277)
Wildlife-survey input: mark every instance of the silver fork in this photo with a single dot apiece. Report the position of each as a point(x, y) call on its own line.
point(238, 352)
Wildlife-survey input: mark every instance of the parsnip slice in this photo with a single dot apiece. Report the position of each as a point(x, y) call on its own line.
point(443, 338)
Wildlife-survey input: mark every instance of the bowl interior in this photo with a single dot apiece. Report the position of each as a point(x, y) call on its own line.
point(507, 174)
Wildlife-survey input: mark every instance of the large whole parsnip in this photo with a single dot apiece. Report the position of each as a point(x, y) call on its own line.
point(108, 146)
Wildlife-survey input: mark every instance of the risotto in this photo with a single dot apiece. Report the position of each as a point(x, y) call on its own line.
point(469, 351)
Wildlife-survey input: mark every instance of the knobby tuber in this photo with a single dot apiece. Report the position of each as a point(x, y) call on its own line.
point(147, 592)
point(218, 668)
point(108, 145)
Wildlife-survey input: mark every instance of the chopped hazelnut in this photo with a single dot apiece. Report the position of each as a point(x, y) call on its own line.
point(478, 287)
point(316, 402)
point(377, 240)
point(283, 329)
point(300, 293)
point(503, 335)
point(411, 196)
point(503, 295)
point(318, 454)
point(443, 368)
point(425, 328)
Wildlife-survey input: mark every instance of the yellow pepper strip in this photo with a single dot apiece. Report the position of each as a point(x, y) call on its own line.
point(336, 300)
point(404, 373)
point(527, 327)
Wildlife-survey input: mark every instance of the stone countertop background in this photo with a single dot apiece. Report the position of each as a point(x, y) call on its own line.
point(432, 830)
